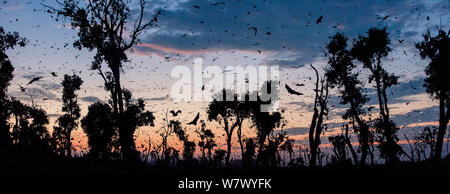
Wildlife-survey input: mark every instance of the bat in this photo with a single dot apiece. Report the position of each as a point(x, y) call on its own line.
point(175, 113)
point(319, 20)
point(34, 79)
point(194, 122)
point(291, 91)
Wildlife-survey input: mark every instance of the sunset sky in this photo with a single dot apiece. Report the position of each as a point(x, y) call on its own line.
point(222, 34)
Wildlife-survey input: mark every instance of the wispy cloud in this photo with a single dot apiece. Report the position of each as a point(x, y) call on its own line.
point(281, 26)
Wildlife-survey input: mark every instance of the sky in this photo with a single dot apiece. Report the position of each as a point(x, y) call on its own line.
point(231, 33)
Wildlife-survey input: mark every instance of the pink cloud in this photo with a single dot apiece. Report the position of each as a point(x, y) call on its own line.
point(170, 50)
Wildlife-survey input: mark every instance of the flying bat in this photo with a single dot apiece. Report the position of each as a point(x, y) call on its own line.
point(254, 29)
point(22, 88)
point(319, 20)
point(194, 122)
point(34, 79)
point(291, 91)
point(175, 113)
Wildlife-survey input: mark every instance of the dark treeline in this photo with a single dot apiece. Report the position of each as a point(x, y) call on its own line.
point(110, 126)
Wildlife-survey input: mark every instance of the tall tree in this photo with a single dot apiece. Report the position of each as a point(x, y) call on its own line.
point(224, 111)
point(99, 127)
point(437, 82)
point(370, 51)
point(134, 116)
point(320, 110)
point(340, 74)
point(68, 121)
point(7, 41)
point(103, 25)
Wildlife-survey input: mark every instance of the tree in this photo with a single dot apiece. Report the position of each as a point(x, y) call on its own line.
point(188, 151)
point(250, 151)
point(68, 121)
point(134, 116)
point(339, 142)
point(30, 132)
point(229, 113)
point(102, 25)
point(340, 74)
point(7, 41)
point(167, 129)
point(320, 110)
point(99, 127)
point(370, 50)
point(219, 155)
point(265, 123)
point(437, 82)
point(206, 142)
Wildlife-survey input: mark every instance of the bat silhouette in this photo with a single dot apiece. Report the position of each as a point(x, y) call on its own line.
point(22, 88)
point(194, 122)
point(291, 91)
point(175, 113)
point(34, 79)
point(319, 20)
point(254, 29)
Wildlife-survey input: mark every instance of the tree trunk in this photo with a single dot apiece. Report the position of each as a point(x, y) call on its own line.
point(350, 146)
point(239, 135)
point(69, 144)
point(364, 132)
point(123, 136)
point(227, 159)
point(443, 121)
point(228, 150)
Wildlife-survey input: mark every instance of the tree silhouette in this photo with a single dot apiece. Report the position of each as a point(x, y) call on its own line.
point(165, 132)
point(102, 25)
point(269, 155)
point(320, 110)
point(29, 131)
point(228, 112)
point(339, 74)
point(339, 142)
point(250, 151)
point(288, 146)
point(340, 154)
point(134, 116)
point(265, 123)
point(188, 151)
point(219, 155)
point(242, 111)
point(437, 82)
point(68, 121)
point(370, 51)
point(206, 142)
point(7, 41)
point(99, 127)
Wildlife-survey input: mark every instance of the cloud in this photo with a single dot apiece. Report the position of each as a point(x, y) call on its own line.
point(157, 99)
point(14, 6)
point(90, 99)
point(282, 26)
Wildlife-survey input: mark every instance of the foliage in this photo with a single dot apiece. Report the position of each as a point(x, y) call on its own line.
point(68, 121)
point(437, 82)
point(99, 127)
